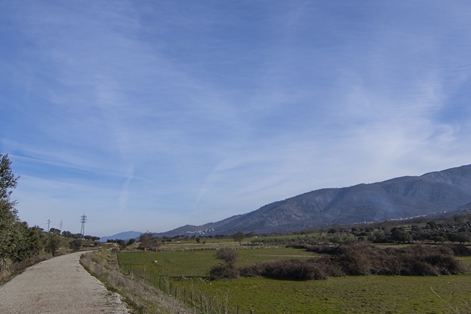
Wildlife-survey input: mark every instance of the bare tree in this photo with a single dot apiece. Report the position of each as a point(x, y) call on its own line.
point(238, 237)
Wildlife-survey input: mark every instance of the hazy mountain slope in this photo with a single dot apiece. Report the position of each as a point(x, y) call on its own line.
point(122, 236)
point(208, 228)
point(396, 198)
point(465, 209)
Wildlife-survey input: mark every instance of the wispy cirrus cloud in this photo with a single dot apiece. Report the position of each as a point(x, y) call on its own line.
point(177, 113)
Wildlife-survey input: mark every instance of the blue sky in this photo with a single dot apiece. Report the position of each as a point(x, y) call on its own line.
point(148, 115)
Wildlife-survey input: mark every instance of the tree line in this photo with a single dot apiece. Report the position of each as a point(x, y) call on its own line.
point(20, 243)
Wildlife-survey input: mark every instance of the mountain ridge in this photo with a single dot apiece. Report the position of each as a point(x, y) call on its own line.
point(396, 198)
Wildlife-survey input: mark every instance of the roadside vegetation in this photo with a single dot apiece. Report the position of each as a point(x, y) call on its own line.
point(139, 296)
point(21, 245)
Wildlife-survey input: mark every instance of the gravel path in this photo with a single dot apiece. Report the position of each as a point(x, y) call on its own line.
point(58, 285)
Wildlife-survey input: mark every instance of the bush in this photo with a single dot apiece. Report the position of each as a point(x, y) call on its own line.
point(460, 250)
point(227, 255)
point(294, 269)
point(362, 259)
point(223, 271)
point(254, 270)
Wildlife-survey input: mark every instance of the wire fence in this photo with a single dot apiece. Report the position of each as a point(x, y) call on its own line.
point(194, 297)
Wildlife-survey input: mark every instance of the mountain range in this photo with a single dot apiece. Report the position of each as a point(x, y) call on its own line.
point(433, 193)
point(127, 235)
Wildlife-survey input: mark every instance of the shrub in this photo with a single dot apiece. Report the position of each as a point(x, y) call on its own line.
point(223, 271)
point(227, 255)
point(294, 269)
point(227, 270)
point(254, 270)
point(324, 249)
point(460, 250)
point(362, 259)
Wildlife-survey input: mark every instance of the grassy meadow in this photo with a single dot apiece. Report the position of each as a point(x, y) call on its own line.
point(188, 273)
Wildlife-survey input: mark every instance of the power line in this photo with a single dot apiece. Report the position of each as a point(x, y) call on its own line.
point(83, 220)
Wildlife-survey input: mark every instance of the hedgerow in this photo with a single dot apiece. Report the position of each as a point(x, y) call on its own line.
point(362, 259)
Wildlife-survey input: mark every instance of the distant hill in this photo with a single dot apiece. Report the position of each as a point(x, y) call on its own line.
point(122, 236)
point(402, 197)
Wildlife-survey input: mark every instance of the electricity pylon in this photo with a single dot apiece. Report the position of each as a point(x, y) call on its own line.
point(83, 220)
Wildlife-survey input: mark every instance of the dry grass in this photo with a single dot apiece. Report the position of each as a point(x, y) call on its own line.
point(139, 296)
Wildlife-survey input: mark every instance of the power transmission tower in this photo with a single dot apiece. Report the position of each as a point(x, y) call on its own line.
point(48, 223)
point(60, 226)
point(83, 220)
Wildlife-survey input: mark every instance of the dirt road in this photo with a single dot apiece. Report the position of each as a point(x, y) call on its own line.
point(58, 285)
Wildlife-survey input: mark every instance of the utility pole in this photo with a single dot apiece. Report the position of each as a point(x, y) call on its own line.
point(83, 220)
point(48, 223)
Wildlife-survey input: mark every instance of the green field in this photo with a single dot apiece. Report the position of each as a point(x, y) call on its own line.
point(362, 294)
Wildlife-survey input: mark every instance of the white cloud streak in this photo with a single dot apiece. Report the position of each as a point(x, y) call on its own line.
point(175, 113)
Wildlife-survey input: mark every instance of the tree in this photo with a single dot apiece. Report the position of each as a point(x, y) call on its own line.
point(227, 270)
point(75, 245)
point(251, 234)
point(36, 240)
point(9, 229)
point(53, 243)
point(146, 237)
point(148, 240)
point(131, 242)
point(400, 235)
point(463, 237)
point(121, 243)
point(238, 237)
point(29, 241)
point(438, 238)
point(67, 234)
point(7, 179)
point(431, 225)
point(18, 242)
point(54, 230)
